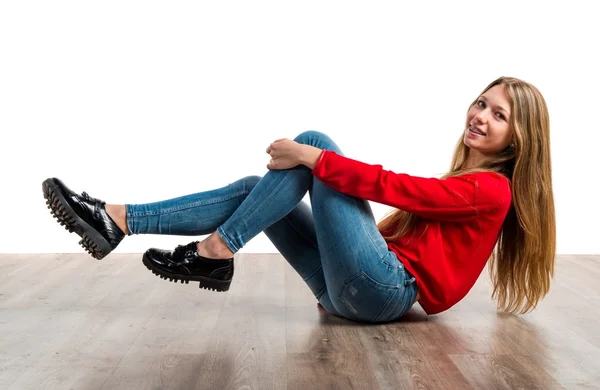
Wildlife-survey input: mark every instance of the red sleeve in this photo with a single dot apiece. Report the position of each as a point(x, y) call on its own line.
point(452, 199)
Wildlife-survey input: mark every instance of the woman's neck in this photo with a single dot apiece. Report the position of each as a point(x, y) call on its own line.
point(474, 159)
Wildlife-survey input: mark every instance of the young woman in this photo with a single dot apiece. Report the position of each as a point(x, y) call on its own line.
point(495, 204)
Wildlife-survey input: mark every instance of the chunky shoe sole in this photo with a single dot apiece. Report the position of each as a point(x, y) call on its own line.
point(204, 282)
point(92, 241)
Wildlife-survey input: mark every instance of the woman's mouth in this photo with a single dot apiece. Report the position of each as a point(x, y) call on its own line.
point(474, 131)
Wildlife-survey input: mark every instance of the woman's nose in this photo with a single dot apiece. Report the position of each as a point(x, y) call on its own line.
point(480, 117)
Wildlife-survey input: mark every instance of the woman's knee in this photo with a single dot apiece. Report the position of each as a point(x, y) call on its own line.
point(317, 139)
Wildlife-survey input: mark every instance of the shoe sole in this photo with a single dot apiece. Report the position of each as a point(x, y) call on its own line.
point(91, 240)
point(205, 283)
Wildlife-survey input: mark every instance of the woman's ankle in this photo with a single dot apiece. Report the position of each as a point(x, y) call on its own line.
point(118, 214)
point(214, 247)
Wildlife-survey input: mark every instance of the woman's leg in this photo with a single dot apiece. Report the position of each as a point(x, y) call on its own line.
point(352, 272)
point(337, 248)
point(205, 212)
point(190, 215)
point(365, 280)
point(236, 213)
point(295, 238)
point(202, 213)
point(241, 210)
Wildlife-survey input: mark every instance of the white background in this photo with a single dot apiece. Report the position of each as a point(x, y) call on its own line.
point(138, 101)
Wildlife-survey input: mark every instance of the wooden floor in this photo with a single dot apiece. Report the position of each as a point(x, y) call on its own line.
point(71, 322)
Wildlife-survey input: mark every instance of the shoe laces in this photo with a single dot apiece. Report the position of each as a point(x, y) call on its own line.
point(186, 251)
point(97, 203)
point(85, 196)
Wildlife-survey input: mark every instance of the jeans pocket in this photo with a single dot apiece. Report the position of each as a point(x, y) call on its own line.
point(365, 299)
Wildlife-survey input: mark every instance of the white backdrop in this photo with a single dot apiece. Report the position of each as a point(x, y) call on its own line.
point(137, 101)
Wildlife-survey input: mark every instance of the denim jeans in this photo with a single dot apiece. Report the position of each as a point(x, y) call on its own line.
point(336, 247)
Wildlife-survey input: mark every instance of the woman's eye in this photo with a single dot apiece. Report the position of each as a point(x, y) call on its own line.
point(482, 102)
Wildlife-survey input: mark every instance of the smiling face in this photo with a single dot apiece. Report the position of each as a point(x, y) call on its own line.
point(490, 117)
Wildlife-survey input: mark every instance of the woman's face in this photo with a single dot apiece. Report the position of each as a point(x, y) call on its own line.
point(491, 116)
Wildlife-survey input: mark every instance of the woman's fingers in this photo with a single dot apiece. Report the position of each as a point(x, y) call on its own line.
point(273, 151)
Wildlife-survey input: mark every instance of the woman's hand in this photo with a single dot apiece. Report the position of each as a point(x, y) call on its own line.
point(285, 154)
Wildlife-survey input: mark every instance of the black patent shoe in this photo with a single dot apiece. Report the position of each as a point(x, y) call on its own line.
point(185, 264)
point(83, 215)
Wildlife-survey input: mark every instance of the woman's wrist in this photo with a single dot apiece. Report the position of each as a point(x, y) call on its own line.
point(310, 156)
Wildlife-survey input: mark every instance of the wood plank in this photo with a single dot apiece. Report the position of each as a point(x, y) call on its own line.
point(247, 347)
point(548, 336)
point(162, 371)
point(401, 360)
point(324, 351)
point(35, 314)
point(94, 338)
point(172, 345)
point(504, 372)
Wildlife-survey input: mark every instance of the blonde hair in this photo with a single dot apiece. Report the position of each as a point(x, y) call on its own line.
point(522, 263)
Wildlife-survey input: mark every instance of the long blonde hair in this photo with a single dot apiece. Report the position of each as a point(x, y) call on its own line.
point(522, 263)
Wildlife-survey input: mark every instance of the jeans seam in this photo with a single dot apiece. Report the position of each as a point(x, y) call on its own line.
point(130, 222)
point(381, 256)
point(387, 303)
point(227, 240)
point(409, 302)
point(321, 292)
point(300, 232)
point(255, 212)
point(313, 273)
point(189, 206)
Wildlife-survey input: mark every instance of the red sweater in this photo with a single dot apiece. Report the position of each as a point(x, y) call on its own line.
point(464, 216)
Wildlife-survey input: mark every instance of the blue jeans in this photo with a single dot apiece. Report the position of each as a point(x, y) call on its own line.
point(336, 248)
